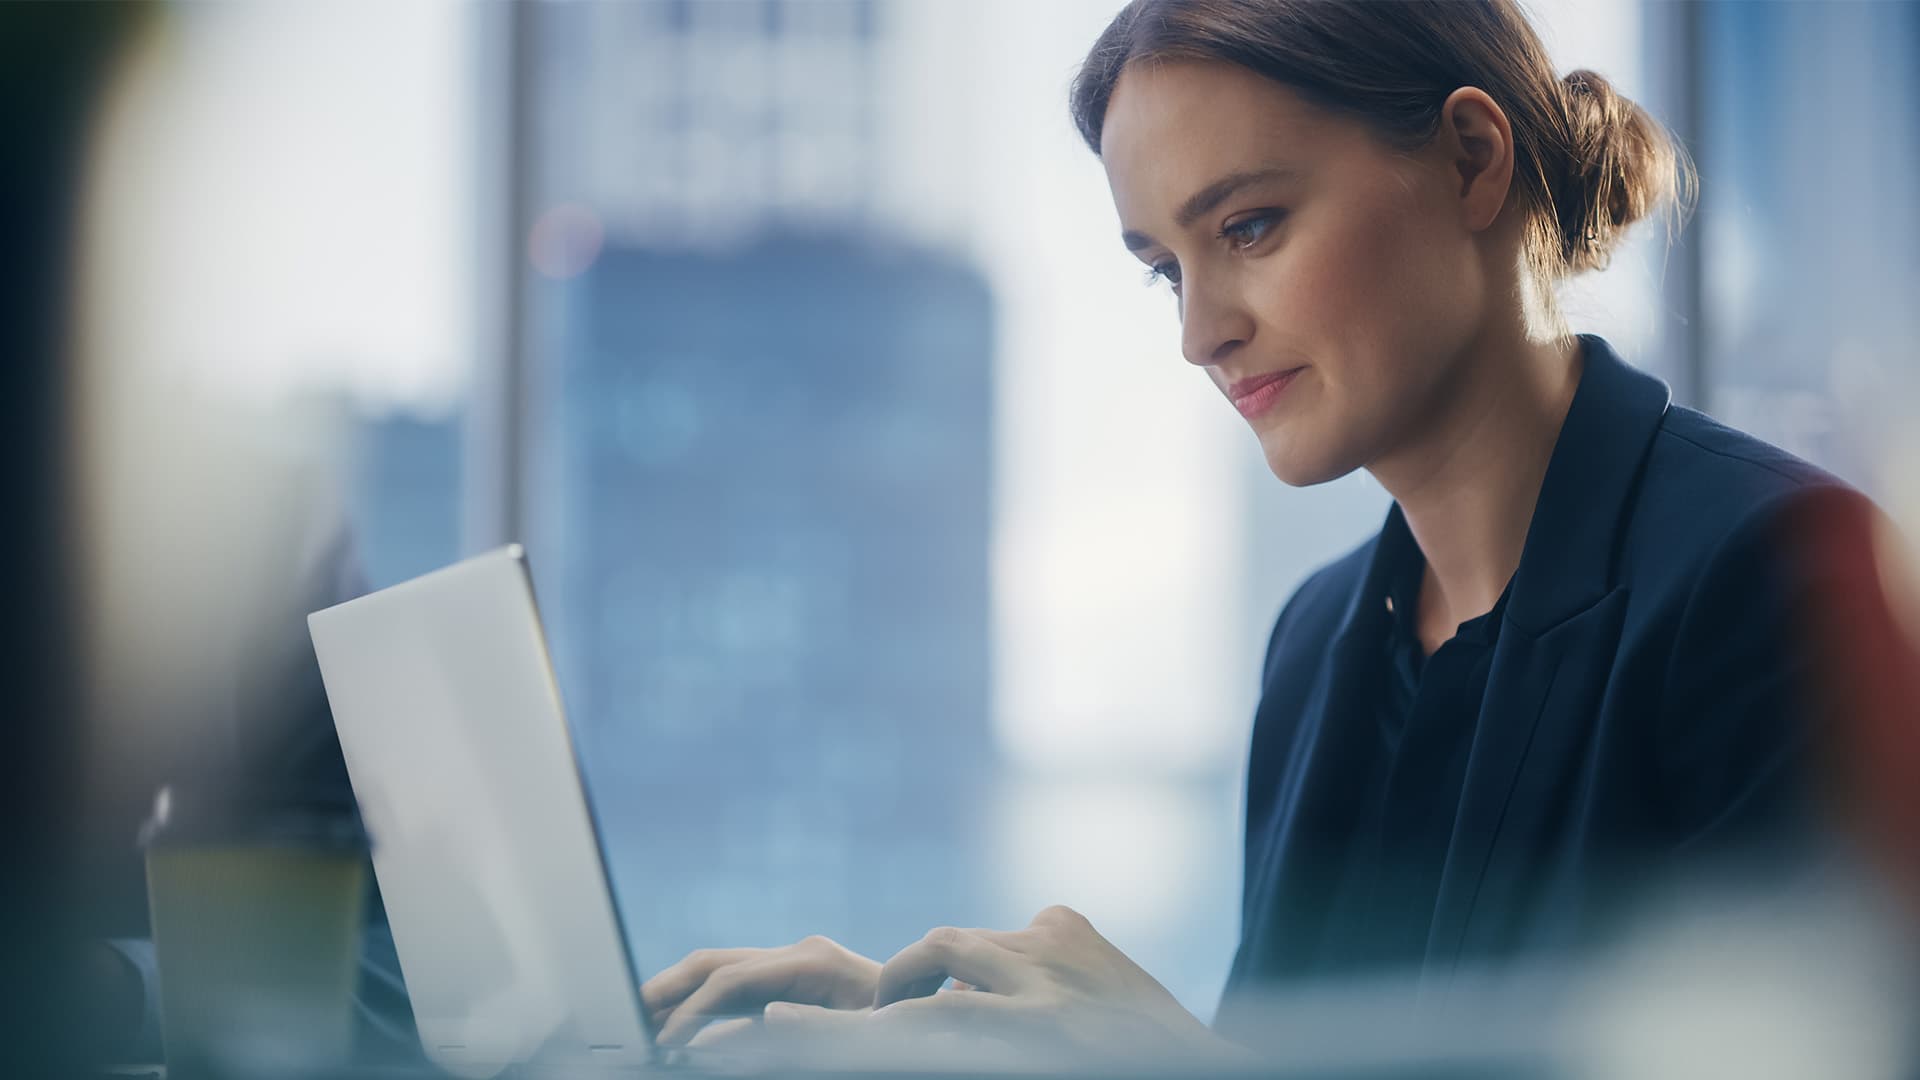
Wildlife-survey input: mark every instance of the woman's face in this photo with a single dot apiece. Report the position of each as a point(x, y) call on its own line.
point(1328, 284)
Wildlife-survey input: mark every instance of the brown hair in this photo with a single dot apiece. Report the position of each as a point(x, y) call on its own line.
point(1588, 161)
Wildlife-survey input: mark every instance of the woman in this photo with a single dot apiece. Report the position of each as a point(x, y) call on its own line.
point(1561, 669)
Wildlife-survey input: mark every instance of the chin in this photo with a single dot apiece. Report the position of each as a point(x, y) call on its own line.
point(1298, 466)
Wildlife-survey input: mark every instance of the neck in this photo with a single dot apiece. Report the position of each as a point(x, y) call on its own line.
point(1468, 479)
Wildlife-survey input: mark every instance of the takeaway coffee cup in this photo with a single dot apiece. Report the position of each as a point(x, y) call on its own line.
point(256, 920)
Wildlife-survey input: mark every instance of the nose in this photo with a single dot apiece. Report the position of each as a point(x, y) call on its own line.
point(1212, 325)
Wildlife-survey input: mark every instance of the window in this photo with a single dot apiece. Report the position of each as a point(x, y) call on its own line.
point(1810, 135)
point(866, 617)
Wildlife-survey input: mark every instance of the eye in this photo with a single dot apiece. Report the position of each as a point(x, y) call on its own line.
point(1165, 270)
point(1249, 230)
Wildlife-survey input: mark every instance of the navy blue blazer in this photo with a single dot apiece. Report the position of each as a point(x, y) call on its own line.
point(1645, 708)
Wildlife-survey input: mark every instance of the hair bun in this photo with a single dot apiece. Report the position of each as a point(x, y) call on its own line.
point(1620, 164)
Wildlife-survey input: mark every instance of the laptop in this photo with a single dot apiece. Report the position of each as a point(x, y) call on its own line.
point(484, 842)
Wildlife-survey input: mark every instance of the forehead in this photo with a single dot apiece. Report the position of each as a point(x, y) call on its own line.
point(1174, 127)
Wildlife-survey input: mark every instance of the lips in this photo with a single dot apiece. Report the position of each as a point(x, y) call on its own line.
point(1258, 393)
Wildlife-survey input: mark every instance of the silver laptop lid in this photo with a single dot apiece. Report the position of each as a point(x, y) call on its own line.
point(484, 843)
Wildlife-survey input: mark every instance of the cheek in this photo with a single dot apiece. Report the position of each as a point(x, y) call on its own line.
point(1382, 292)
point(1340, 296)
point(1375, 301)
point(1386, 263)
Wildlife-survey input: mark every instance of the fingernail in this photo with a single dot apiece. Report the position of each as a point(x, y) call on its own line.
point(781, 1010)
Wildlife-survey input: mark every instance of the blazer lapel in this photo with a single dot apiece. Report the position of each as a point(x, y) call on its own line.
point(1312, 813)
point(1541, 694)
point(1557, 638)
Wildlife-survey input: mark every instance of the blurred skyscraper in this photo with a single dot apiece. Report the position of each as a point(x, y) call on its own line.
point(766, 575)
point(702, 124)
point(761, 482)
point(404, 492)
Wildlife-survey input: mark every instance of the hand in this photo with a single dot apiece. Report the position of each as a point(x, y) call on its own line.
point(711, 983)
point(1057, 987)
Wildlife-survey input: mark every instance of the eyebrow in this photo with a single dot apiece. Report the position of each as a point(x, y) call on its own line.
point(1209, 197)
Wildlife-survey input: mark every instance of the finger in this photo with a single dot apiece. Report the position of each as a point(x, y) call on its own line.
point(736, 989)
point(672, 985)
point(1025, 942)
point(727, 1032)
point(797, 1032)
point(968, 1013)
point(1017, 940)
point(1058, 916)
point(958, 985)
point(788, 1016)
point(920, 968)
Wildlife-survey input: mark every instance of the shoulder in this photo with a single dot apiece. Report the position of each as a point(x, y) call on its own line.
point(1722, 555)
point(1694, 448)
point(1709, 492)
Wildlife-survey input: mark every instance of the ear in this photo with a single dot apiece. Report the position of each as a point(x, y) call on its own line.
point(1478, 143)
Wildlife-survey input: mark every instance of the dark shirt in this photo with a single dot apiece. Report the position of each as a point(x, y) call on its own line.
point(1407, 768)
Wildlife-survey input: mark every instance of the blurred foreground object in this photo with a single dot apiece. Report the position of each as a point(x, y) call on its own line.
point(207, 325)
point(1862, 630)
point(54, 60)
point(256, 915)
